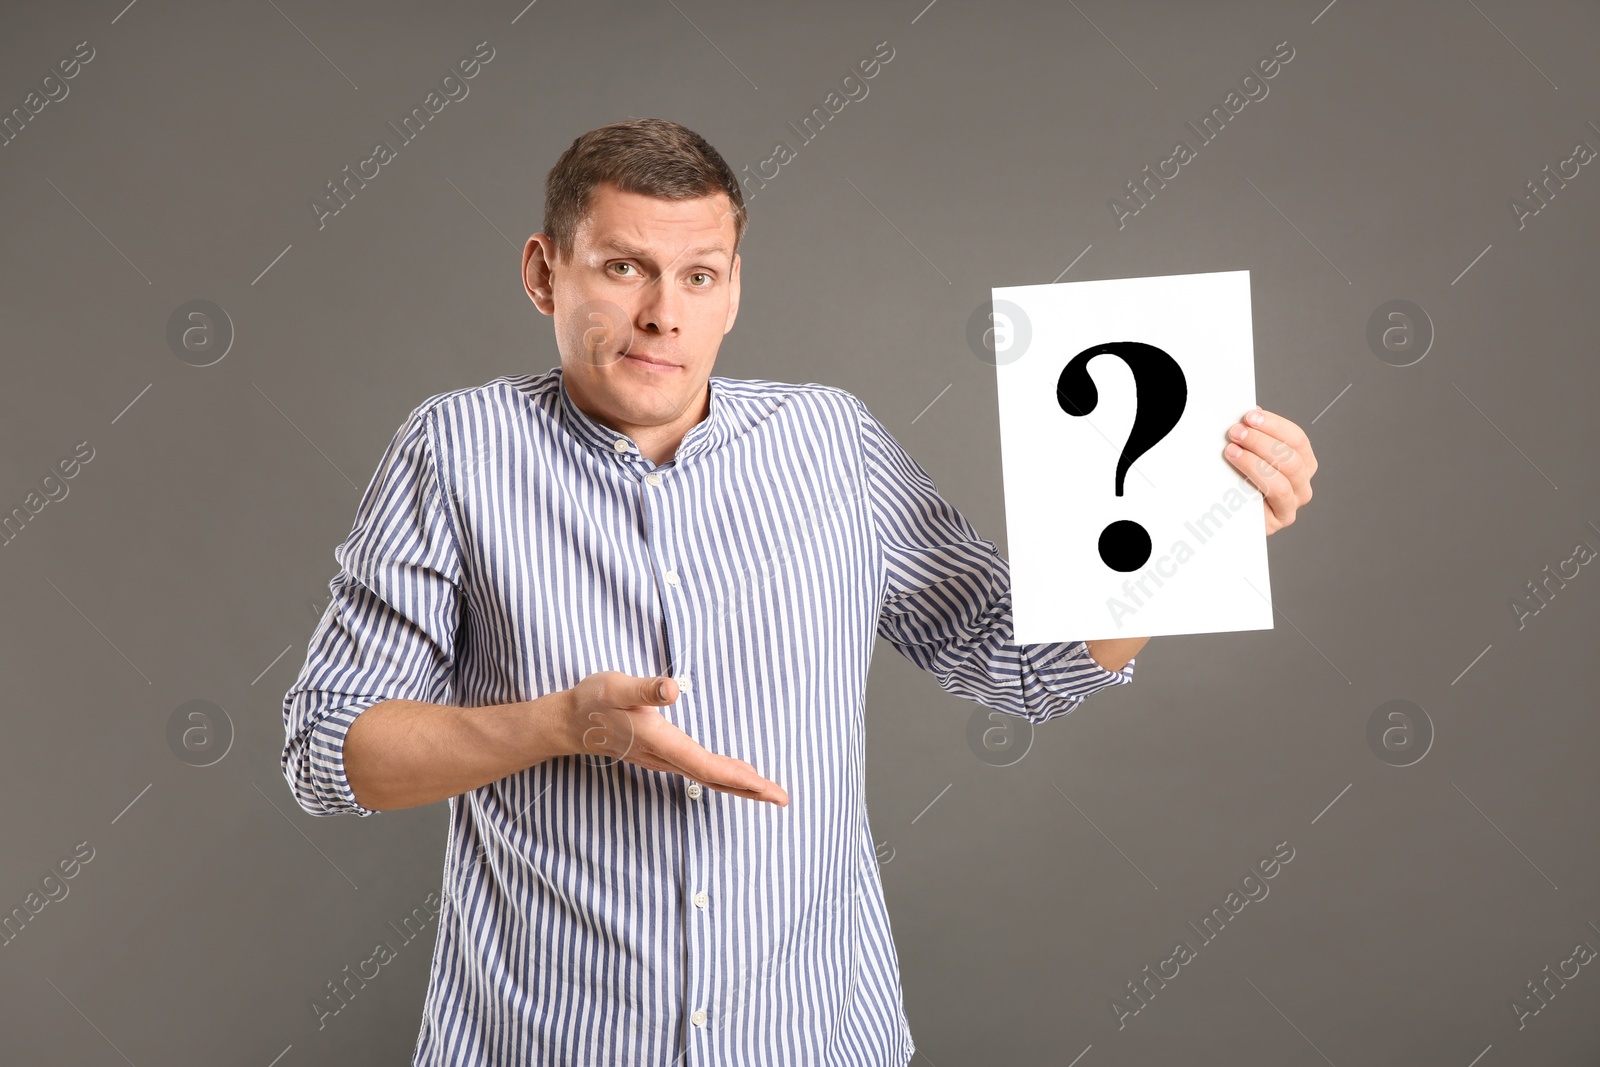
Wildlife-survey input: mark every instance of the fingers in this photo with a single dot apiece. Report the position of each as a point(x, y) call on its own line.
point(654, 742)
point(723, 773)
point(1278, 498)
point(1275, 455)
point(649, 692)
point(631, 691)
point(749, 794)
point(743, 780)
point(1288, 432)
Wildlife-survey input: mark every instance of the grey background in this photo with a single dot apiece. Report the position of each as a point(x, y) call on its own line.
point(190, 557)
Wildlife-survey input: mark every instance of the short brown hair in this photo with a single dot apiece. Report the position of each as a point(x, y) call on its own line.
point(653, 157)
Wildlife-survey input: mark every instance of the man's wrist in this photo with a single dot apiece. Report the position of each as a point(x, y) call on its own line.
point(551, 730)
point(1112, 654)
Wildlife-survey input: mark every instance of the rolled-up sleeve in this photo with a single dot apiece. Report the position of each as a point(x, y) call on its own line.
point(389, 631)
point(948, 605)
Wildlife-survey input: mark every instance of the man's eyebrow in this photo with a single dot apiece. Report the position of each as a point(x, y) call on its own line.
point(639, 253)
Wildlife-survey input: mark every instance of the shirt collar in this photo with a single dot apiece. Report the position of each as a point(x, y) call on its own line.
point(704, 435)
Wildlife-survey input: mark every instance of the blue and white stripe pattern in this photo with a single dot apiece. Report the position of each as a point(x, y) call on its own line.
point(594, 911)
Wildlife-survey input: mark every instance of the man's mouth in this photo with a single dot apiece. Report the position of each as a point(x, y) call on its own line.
point(645, 361)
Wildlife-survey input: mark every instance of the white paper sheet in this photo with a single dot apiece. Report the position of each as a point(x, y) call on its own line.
point(1206, 571)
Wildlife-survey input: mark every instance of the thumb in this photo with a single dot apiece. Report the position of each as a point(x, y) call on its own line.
point(655, 691)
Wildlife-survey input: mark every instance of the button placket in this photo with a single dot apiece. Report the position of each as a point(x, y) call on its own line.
point(659, 541)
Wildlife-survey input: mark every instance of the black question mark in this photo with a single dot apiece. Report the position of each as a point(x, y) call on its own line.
point(1161, 392)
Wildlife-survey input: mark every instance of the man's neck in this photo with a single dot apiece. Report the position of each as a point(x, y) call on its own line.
point(659, 444)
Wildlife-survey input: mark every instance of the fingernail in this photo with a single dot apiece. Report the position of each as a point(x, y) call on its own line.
point(1255, 418)
point(1234, 451)
point(661, 690)
point(1237, 432)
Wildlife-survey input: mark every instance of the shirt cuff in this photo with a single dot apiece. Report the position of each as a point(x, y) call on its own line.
point(318, 779)
point(1068, 669)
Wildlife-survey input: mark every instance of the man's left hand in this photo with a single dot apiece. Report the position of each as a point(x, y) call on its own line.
point(1276, 456)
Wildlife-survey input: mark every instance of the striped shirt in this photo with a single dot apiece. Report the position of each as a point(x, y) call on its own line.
point(594, 911)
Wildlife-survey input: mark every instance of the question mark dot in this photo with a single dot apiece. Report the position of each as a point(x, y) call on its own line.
point(1124, 546)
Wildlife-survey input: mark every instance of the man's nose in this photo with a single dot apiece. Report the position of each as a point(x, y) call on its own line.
point(660, 306)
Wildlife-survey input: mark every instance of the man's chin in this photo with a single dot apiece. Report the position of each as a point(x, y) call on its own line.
point(643, 397)
point(648, 404)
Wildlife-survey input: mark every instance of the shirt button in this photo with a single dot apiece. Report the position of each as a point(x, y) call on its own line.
point(671, 578)
point(683, 682)
point(700, 899)
point(699, 1017)
point(694, 790)
point(620, 444)
point(652, 478)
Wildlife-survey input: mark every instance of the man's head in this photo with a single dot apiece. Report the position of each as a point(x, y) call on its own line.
point(638, 261)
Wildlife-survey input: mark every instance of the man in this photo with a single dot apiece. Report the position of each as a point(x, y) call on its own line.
point(620, 615)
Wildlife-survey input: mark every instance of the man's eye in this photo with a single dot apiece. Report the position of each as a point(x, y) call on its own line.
point(701, 274)
point(625, 265)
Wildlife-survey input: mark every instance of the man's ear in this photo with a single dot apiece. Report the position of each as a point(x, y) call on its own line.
point(538, 255)
point(733, 298)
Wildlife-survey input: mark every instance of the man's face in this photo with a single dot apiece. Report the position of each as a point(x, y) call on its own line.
point(641, 308)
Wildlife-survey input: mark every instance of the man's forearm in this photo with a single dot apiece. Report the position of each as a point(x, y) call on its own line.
point(1114, 653)
point(405, 753)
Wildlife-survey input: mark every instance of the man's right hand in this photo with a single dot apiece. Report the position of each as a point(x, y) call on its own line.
point(614, 715)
